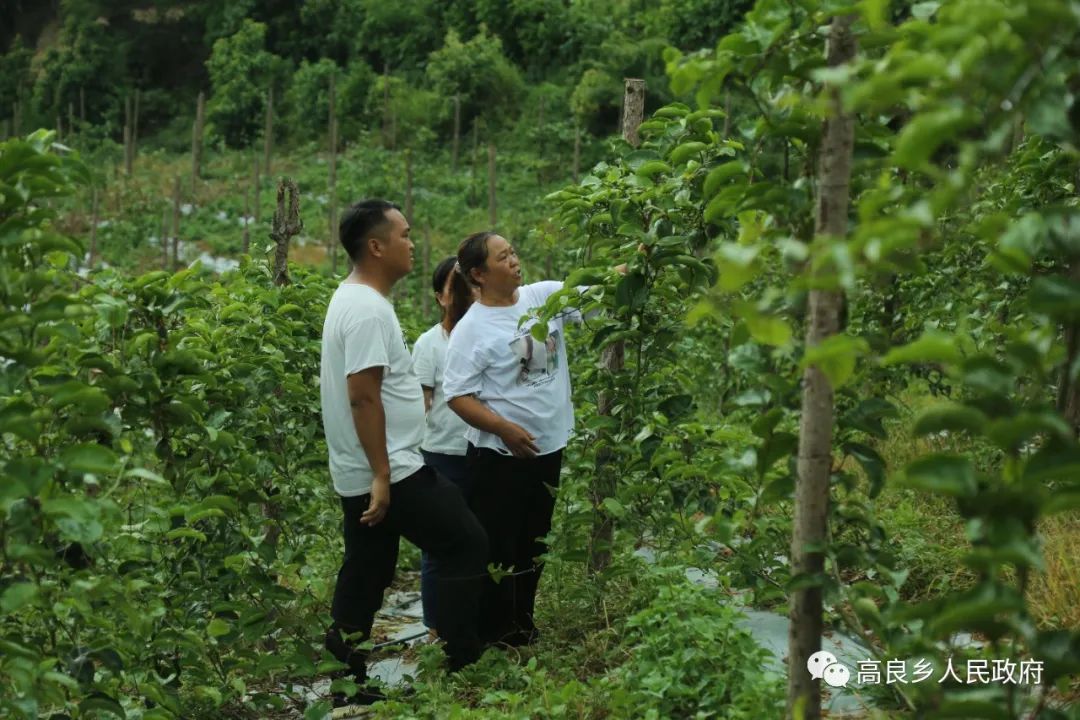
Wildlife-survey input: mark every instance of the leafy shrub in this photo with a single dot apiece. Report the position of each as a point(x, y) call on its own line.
point(477, 70)
point(690, 659)
point(240, 69)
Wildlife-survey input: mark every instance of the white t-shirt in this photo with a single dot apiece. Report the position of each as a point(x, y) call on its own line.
point(445, 431)
point(362, 331)
point(521, 379)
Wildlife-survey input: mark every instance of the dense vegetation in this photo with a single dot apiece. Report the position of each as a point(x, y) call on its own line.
point(167, 531)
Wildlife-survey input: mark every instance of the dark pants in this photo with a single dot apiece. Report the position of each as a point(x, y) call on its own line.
point(431, 513)
point(454, 469)
point(513, 498)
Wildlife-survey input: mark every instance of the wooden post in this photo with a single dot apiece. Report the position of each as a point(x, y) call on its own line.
point(540, 128)
point(268, 132)
point(491, 185)
point(810, 524)
point(611, 359)
point(286, 225)
point(426, 301)
point(408, 187)
point(129, 134)
point(256, 184)
point(246, 238)
point(127, 149)
point(457, 132)
point(386, 106)
point(176, 223)
point(93, 226)
point(135, 126)
point(332, 221)
point(164, 239)
point(727, 114)
point(577, 153)
point(474, 172)
point(197, 140)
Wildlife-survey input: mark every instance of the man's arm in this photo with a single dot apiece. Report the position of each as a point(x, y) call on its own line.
point(429, 396)
point(519, 441)
point(369, 419)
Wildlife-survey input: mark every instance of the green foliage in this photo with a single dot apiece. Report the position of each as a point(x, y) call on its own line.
point(308, 97)
point(240, 71)
point(488, 84)
point(690, 659)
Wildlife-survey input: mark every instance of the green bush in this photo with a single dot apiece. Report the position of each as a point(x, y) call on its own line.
point(477, 70)
point(240, 73)
point(690, 659)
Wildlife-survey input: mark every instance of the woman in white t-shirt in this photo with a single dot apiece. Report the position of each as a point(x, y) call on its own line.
point(514, 393)
point(444, 445)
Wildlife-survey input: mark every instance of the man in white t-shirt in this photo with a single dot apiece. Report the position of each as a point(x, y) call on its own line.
point(373, 418)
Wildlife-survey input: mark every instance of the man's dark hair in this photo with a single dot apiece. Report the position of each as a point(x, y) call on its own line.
point(360, 222)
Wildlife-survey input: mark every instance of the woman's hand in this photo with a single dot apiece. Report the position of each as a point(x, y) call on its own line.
point(519, 440)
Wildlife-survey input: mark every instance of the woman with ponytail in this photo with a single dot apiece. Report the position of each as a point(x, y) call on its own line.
point(444, 445)
point(514, 392)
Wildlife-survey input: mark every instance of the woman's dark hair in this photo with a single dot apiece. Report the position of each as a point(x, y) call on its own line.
point(460, 292)
point(472, 253)
point(360, 222)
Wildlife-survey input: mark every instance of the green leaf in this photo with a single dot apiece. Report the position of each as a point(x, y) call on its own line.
point(584, 276)
point(319, 711)
point(932, 347)
point(736, 265)
point(218, 627)
point(613, 507)
point(653, 167)
point(765, 329)
point(942, 473)
point(101, 703)
point(89, 458)
point(1057, 297)
point(871, 462)
point(720, 174)
point(686, 151)
point(17, 595)
point(924, 134)
point(835, 357)
point(953, 417)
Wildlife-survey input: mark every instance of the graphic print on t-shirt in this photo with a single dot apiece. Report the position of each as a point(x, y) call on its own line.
point(537, 361)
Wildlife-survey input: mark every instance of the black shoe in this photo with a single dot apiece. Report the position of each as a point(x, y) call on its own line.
point(521, 638)
point(366, 694)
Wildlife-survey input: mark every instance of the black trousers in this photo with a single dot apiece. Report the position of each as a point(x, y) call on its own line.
point(431, 512)
point(513, 498)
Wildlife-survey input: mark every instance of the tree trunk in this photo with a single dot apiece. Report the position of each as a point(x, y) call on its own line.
point(176, 224)
point(287, 225)
point(197, 140)
point(256, 184)
point(491, 186)
point(457, 132)
point(331, 242)
point(92, 255)
point(164, 239)
point(268, 132)
point(612, 358)
point(1068, 399)
point(577, 153)
point(71, 118)
point(127, 150)
point(246, 238)
point(426, 302)
point(810, 526)
point(16, 116)
point(135, 126)
point(82, 106)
